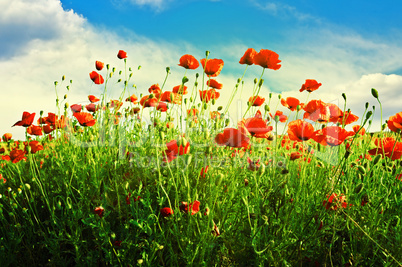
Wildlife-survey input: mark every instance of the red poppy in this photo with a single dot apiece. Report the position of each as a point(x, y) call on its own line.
point(50, 119)
point(194, 207)
point(155, 89)
point(171, 97)
point(116, 104)
point(214, 84)
point(233, 138)
point(149, 101)
point(388, 147)
point(35, 146)
point(96, 77)
point(253, 165)
point(76, 108)
point(162, 107)
point(62, 122)
point(133, 99)
point(208, 95)
point(248, 57)
point(295, 155)
point(334, 202)
point(17, 155)
point(331, 136)
point(34, 130)
point(99, 65)
point(204, 171)
point(93, 98)
point(257, 126)
point(395, 122)
point(7, 137)
point(267, 59)
point(291, 103)
point(192, 112)
point(85, 119)
point(316, 110)
point(279, 116)
point(347, 118)
point(173, 150)
point(27, 119)
point(334, 112)
point(121, 54)
point(300, 130)
point(48, 128)
point(180, 89)
point(91, 107)
point(135, 110)
point(256, 101)
point(166, 212)
point(310, 85)
point(99, 211)
point(212, 67)
point(189, 62)
point(357, 127)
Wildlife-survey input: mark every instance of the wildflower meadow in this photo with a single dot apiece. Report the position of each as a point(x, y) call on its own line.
point(169, 178)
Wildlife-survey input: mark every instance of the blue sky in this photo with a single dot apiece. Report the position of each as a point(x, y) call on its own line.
point(348, 46)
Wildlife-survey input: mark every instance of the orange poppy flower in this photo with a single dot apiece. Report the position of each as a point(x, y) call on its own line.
point(316, 110)
point(27, 119)
point(215, 114)
point(256, 101)
point(133, 99)
point(357, 127)
point(91, 107)
point(256, 126)
point(267, 59)
point(93, 99)
point(180, 89)
point(194, 207)
point(155, 89)
point(16, 155)
point(295, 155)
point(96, 77)
point(48, 128)
point(121, 54)
point(173, 150)
point(233, 137)
point(291, 103)
point(85, 119)
point(34, 130)
point(248, 57)
point(35, 146)
point(162, 107)
point(395, 122)
point(7, 137)
point(192, 112)
point(331, 136)
point(116, 104)
point(189, 62)
point(99, 65)
point(149, 101)
point(310, 85)
point(166, 212)
point(334, 112)
point(171, 97)
point(214, 84)
point(347, 118)
point(334, 202)
point(212, 67)
point(207, 95)
point(300, 130)
point(280, 116)
point(99, 211)
point(135, 110)
point(76, 108)
point(388, 147)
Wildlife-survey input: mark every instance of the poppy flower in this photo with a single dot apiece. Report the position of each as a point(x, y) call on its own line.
point(212, 67)
point(233, 138)
point(310, 85)
point(116, 104)
point(215, 114)
point(279, 116)
point(388, 147)
point(149, 101)
point(135, 110)
point(173, 149)
point(357, 127)
point(291, 103)
point(204, 171)
point(256, 101)
point(207, 95)
point(62, 122)
point(96, 77)
point(121, 54)
point(93, 99)
point(194, 207)
point(99, 211)
point(7, 137)
point(171, 97)
point(335, 113)
point(334, 202)
point(253, 165)
point(257, 126)
point(189, 62)
point(27, 119)
point(91, 107)
point(395, 122)
point(85, 119)
point(133, 99)
point(48, 128)
point(214, 84)
point(162, 107)
point(34, 130)
point(192, 112)
point(76, 108)
point(17, 155)
point(35, 146)
point(99, 65)
point(155, 89)
point(316, 110)
point(295, 155)
point(166, 212)
point(347, 118)
point(248, 57)
point(331, 136)
point(267, 59)
point(300, 130)
point(180, 89)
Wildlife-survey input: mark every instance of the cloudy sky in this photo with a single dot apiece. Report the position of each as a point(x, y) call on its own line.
point(348, 46)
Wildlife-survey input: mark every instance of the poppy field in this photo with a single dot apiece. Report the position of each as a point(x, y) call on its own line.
point(168, 178)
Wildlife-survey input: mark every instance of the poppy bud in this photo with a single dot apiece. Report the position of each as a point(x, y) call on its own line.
point(119, 80)
point(63, 78)
point(260, 82)
point(270, 95)
point(55, 83)
point(197, 75)
point(66, 105)
point(266, 107)
point(255, 81)
point(213, 101)
point(68, 87)
point(238, 80)
point(65, 96)
point(185, 100)
point(41, 113)
point(227, 122)
point(191, 99)
point(374, 92)
point(219, 108)
point(207, 53)
point(205, 106)
point(344, 96)
point(139, 67)
point(167, 69)
point(196, 84)
point(184, 80)
point(368, 115)
point(279, 96)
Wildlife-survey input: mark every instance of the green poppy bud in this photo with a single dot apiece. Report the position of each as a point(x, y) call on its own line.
point(374, 92)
